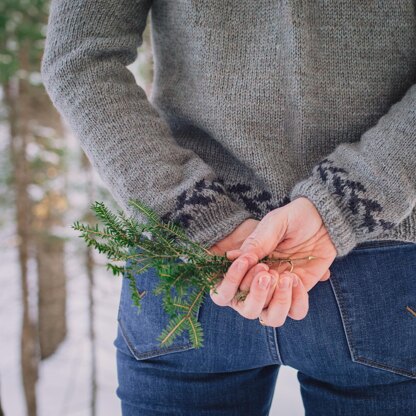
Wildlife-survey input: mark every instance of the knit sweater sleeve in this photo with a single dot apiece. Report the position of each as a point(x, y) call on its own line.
point(88, 46)
point(366, 187)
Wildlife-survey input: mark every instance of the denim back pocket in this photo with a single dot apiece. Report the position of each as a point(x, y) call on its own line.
point(375, 289)
point(141, 328)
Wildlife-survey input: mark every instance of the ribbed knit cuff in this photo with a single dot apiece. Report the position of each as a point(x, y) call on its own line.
point(212, 224)
point(334, 217)
point(205, 211)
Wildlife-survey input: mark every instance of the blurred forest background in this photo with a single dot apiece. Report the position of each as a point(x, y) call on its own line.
point(58, 304)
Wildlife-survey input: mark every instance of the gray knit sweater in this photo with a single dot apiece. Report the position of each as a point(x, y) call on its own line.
point(254, 103)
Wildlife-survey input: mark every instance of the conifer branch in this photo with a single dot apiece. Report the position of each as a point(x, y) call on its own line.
point(180, 263)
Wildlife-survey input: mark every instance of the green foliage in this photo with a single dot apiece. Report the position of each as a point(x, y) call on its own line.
point(22, 24)
point(187, 270)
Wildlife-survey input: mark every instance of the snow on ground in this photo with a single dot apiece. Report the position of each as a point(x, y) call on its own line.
point(64, 385)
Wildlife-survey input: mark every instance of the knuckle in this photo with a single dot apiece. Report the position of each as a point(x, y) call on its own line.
point(282, 298)
point(257, 295)
point(251, 314)
point(298, 314)
point(278, 322)
point(218, 299)
point(233, 278)
point(252, 241)
point(258, 299)
point(269, 215)
point(248, 312)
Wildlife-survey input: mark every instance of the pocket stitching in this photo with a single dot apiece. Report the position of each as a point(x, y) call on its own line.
point(376, 364)
point(156, 352)
point(345, 324)
point(151, 353)
point(350, 341)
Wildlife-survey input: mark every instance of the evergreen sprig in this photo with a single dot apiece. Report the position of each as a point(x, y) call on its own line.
point(184, 266)
point(180, 263)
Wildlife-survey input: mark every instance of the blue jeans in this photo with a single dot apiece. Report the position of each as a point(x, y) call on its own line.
point(355, 351)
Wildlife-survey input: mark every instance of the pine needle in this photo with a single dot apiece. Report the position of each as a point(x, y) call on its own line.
point(182, 265)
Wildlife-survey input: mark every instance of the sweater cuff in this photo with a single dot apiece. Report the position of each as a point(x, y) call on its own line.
point(211, 225)
point(334, 217)
point(206, 212)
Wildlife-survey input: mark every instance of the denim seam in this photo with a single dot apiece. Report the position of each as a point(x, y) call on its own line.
point(276, 343)
point(272, 344)
point(345, 324)
point(152, 352)
point(350, 341)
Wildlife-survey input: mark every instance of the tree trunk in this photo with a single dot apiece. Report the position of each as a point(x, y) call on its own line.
point(90, 268)
point(50, 258)
point(16, 98)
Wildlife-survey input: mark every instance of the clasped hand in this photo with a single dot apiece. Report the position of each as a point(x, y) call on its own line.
point(293, 231)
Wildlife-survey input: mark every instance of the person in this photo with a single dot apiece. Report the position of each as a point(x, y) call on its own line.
point(273, 128)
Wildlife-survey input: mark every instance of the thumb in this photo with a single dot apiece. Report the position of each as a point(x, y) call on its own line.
point(265, 237)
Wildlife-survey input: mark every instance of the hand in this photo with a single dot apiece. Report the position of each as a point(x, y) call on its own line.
point(232, 242)
point(235, 239)
point(295, 230)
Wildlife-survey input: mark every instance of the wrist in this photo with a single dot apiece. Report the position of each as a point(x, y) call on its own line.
point(303, 210)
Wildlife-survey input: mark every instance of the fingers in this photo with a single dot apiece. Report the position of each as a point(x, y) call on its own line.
point(300, 300)
point(272, 287)
point(310, 275)
point(252, 274)
point(255, 300)
point(282, 301)
point(228, 287)
point(233, 254)
point(279, 306)
point(248, 278)
point(269, 231)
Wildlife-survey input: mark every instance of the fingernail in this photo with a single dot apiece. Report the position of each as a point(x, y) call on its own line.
point(264, 281)
point(284, 282)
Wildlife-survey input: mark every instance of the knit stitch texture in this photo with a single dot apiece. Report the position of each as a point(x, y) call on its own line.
point(254, 104)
